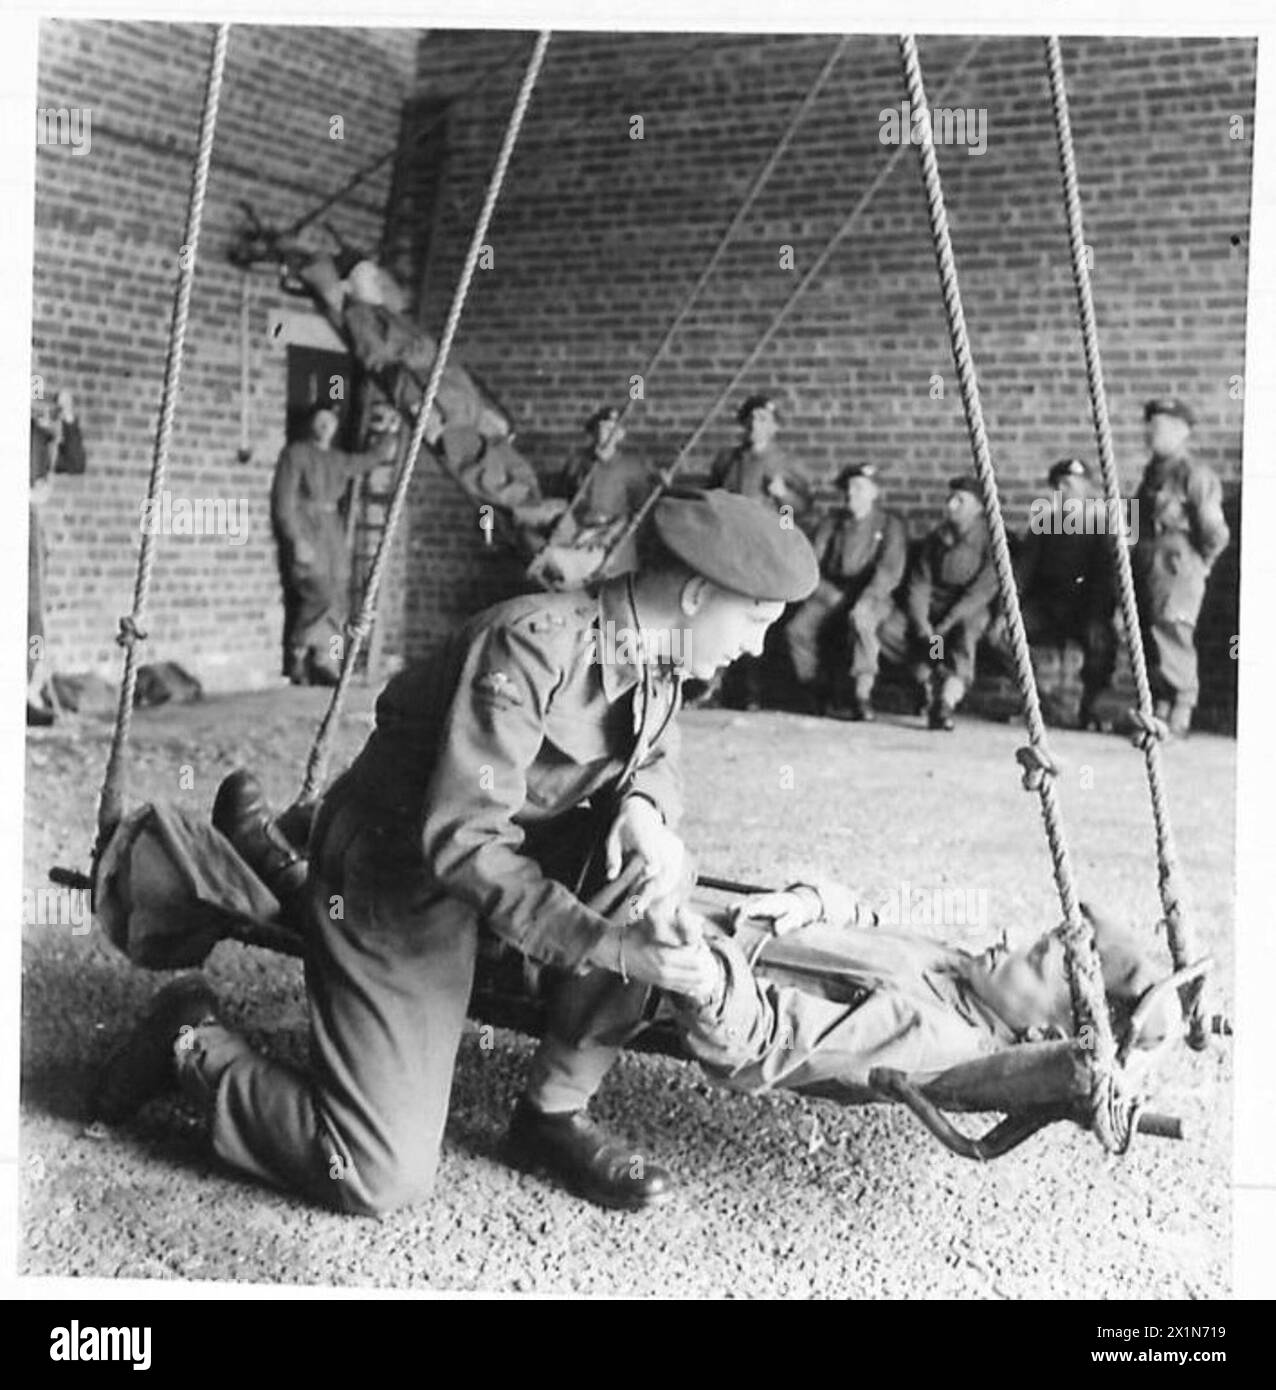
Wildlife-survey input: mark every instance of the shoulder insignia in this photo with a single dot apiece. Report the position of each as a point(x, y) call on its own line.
point(497, 687)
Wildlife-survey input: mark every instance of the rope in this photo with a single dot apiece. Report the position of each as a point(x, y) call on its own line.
point(847, 226)
point(1151, 730)
point(316, 765)
point(1084, 975)
point(133, 626)
point(765, 170)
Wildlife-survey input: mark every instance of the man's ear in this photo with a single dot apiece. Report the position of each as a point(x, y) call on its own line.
point(692, 595)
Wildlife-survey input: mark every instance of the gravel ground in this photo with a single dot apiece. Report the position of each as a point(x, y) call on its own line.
point(779, 1196)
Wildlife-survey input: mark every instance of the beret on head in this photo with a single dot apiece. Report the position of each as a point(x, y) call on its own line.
point(738, 543)
point(759, 401)
point(1169, 405)
point(964, 482)
point(855, 470)
point(1067, 468)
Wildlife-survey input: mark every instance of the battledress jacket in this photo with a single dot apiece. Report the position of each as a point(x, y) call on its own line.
point(532, 711)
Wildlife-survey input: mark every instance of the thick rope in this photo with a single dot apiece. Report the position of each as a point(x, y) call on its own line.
point(133, 627)
point(316, 765)
point(848, 224)
point(1085, 977)
point(1183, 946)
point(765, 170)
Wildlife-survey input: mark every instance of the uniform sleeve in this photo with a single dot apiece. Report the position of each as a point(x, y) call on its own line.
point(890, 564)
point(71, 457)
point(659, 778)
point(356, 465)
point(1210, 532)
point(719, 468)
point(920, 585)
point(491, 736)
point(284, 493)
point(820, 543)
point(979, 593)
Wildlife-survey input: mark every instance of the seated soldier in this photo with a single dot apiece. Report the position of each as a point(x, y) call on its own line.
point(1064, 574)
point(603, 488)
point(861, 550)
point(947, 606)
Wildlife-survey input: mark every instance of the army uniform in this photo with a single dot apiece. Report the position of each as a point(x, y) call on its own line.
point(861, 565)
point(477, 810)
point(1182, 532)
point(1067, 594)
point(313, 555)
point(767, 475)
point(446, 820)
point(49, 454)
point(950, 590)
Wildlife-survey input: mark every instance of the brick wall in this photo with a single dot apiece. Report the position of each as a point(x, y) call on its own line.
point(108, 228)
point(597, 237)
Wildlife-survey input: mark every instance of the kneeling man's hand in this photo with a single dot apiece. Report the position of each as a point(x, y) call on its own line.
point(640, 831)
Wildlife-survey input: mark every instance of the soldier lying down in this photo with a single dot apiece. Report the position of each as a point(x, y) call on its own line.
point(800, 994)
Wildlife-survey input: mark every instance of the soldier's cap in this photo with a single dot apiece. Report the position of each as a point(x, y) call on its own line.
point(604, 412)
point(1169, 405)
point(758, 401)
point(1067, 468)
point(965, 482)
point(738, 543)
point(855, 470)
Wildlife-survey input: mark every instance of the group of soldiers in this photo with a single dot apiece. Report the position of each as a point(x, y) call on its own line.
point(926, 607)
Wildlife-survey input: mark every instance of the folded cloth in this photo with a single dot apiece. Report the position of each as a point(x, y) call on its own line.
point(169, 886)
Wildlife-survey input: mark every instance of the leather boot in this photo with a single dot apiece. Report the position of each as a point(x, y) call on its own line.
point(242, 813)
point(578, 1152)
point(144, 1065)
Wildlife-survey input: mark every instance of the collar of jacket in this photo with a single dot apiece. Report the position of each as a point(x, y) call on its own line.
point(614, 619)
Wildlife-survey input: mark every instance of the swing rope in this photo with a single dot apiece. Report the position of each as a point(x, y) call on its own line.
point(1182, 943)
point(133, 626)
point(764, 172)
point(849, 223)
point(317, 763)
point(1085, 978)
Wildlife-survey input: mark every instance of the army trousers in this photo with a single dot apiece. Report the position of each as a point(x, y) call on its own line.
point(835, 624)
point(816, 1011)
point(954, 663)
point(389, 969)
point(1052, 619)
point(1169, 587)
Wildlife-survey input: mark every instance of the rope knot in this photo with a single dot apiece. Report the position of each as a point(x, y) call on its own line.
point(1037, 766)
point(1148, 729)
point(130, 631)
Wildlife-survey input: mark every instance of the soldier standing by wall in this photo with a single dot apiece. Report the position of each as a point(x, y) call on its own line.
point(1182, 533)
point(314, 562)
point(56, 447)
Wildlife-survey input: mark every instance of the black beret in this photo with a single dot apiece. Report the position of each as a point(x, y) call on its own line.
point(739, 543)
point(759, 401)
point(855, 470)
point(1067, 468)
point(965, 482)
point(1169, 405)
